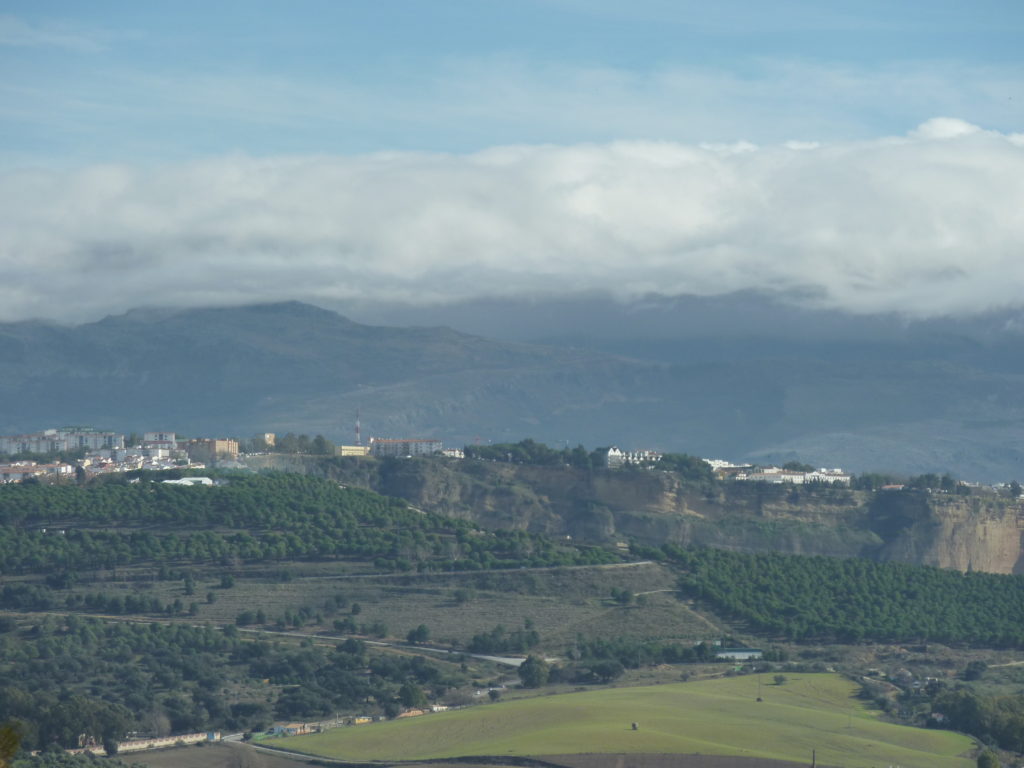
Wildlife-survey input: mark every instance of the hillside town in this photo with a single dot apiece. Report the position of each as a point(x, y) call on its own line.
point(103, 452)
point(80, 452)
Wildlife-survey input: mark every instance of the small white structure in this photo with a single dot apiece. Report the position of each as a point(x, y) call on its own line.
point(189, 481)
point(739, 654)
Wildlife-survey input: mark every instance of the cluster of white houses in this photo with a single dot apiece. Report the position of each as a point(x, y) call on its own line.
point(60, 441)
point(616, 458)
point(778, 475)
point(19, 471)
point(107, 452)
point(112, 444)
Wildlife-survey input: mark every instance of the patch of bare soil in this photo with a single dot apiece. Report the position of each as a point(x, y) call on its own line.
point(223, 755)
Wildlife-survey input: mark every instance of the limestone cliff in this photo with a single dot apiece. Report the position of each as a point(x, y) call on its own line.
point(965, 533)
point(982, 533)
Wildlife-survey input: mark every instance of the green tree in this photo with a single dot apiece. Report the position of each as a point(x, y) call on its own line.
point(796, 466)
point(419, 635)
point(608, 670)
point(412, 696)
point(975, 670)
point(322, 446)
point(988, 759)
point(534, 672)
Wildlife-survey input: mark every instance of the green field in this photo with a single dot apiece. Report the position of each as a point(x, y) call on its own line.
point(713, 717)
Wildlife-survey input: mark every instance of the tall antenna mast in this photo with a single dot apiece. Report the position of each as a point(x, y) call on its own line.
point(359, 440)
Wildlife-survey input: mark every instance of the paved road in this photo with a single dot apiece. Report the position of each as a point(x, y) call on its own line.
point(389, 575)
point(508, 661)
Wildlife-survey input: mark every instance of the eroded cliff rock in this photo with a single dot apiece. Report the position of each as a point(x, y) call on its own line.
point(982, 533)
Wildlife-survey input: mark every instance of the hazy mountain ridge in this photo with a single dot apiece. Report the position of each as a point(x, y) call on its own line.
point(928, 400)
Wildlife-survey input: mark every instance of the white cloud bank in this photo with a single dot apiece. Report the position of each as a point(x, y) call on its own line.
point(927, 224)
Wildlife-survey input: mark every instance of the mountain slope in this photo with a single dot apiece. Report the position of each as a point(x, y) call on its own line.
point(906, 405)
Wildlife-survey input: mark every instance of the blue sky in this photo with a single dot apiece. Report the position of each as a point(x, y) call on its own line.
point(861, 156)
point(151, 82)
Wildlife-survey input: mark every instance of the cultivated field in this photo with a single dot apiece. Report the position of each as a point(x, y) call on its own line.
point(713, 717)
point(224, 755)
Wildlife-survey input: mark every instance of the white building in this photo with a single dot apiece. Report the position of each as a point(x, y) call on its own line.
point(739, 654)
point(834, 476)
point(57, 440)
point(616, 458)
point(773, 475)
point(402, 447)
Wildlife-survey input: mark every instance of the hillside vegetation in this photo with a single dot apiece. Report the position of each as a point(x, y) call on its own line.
point(850, 600)
point(103, 679)
point(251, 518)
point(809, 712)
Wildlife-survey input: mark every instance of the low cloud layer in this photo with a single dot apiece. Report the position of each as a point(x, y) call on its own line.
point(928, 224)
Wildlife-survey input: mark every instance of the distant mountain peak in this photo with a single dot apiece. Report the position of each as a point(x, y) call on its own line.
point(291, 308)
point(288, 309)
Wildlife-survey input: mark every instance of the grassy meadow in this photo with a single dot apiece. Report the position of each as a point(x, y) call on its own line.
point(713, 717)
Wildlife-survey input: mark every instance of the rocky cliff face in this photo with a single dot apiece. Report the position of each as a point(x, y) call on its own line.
point(965, 533)
point(962, 532)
